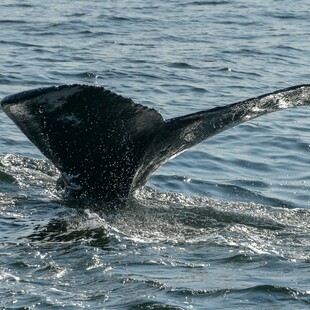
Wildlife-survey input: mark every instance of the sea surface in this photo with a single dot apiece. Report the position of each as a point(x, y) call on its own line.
point(225, 225)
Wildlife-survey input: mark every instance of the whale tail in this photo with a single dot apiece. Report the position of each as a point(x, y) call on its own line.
point(106, 146)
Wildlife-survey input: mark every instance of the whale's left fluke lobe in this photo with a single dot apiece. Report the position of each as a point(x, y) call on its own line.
point(93, 136)
point(106, 145)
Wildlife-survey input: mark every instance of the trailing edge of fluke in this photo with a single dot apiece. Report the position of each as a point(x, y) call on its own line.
point(105, 146)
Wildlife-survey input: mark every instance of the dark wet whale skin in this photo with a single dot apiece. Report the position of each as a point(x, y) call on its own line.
point(106, 146)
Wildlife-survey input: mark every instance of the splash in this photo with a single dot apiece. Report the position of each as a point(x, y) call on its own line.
point(150, 217)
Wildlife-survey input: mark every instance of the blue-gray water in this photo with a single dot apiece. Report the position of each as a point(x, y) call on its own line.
point(224, 225)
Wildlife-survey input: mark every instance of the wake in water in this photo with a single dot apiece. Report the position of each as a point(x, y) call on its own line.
point(150, 217)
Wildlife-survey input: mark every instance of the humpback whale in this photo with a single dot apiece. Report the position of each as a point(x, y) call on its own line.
point(105, 145)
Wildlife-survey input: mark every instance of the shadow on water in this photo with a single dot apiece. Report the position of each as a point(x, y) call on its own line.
point(61, 231)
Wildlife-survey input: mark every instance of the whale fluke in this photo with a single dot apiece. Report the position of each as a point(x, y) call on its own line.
point(106, 146)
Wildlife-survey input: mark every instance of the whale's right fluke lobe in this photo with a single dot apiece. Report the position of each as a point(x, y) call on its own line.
point(181, 133)
point(106, 146)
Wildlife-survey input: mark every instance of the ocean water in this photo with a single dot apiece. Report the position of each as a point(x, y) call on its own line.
point(225, 225)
